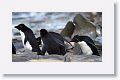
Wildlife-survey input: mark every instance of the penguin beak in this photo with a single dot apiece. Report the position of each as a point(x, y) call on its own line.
point(15, 26)
point(73, 41)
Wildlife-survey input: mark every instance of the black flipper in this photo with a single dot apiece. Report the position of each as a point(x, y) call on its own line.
point(25, 40)
point(38, 40)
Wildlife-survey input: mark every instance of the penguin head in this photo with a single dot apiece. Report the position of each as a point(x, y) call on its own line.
point(20, 27)
point(75, 38)
point(43, 32)
point(38, 40)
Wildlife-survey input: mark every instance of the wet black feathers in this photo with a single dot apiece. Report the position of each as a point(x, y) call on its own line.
point(89, 42)
point(53, 42)
point(78, 38)
point(29, 36)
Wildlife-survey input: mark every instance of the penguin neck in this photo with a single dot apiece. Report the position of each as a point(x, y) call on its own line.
point(43, 35)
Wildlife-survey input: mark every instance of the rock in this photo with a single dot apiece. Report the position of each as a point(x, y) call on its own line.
point(99, 29)
point(45, 60)
point(29, 56)
point(67, 38)
point(77, 49)
point(86, 58)
point(17, 43)
point(98, 23)
point(17, 33)
point(82, 58)
point(18, 58)
point(68, 30)
point(68, 56)
point(48, 58)
point(98, 40)
point(98, 43)
point(84, 27)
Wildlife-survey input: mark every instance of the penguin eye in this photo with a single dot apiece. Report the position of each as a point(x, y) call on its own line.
point(21, 27)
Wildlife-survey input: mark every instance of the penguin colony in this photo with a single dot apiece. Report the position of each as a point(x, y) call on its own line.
point(53, 43)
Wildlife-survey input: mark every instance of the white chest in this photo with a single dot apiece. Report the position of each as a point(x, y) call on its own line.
point(27, 45)
point(85, 48)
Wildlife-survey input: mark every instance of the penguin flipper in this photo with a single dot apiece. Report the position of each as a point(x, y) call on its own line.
point(25, 40)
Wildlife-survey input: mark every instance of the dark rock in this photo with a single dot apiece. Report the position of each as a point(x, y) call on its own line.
point(68, 30)
point(17, 43)
point(16, 33)
point(84, 27)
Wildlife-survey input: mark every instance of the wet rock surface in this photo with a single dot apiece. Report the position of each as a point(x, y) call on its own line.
point(86, 58)
point(68, 30)
point(84, 27)
point(28, 56)
point(82, 58)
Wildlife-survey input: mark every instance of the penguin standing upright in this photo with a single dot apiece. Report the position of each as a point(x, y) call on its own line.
point(28, 38)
